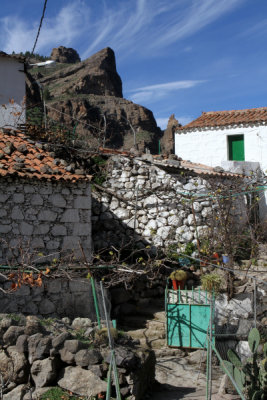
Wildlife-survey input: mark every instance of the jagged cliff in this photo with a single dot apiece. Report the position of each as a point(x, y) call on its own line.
point(91, 91)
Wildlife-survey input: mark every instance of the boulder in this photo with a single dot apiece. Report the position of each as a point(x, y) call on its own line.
point(82, 382)
point(22, 344)
point(16, 394)
point(44, 372)
point(59, 340)
point(20, 366)
point(11, 335)
point(87, 357)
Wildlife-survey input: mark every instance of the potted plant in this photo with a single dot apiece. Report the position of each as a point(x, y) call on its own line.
point(178, 278)
point(212, 283)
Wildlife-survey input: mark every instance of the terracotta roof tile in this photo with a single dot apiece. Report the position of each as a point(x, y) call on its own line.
point(231, 117)
point(26, 164)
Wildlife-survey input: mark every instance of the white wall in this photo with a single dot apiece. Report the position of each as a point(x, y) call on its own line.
point(210, 147)
point(12, 86)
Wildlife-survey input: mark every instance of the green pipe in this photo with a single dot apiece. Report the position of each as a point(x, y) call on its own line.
point(207, 373)
point(95, 302)
point(116, 378)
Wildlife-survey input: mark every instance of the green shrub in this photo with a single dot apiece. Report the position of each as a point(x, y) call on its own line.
point(212, 283)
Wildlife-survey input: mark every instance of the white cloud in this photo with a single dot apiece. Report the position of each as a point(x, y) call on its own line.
point(142, 26)
point(155, 92)
point(64, 28)
point(128, 26)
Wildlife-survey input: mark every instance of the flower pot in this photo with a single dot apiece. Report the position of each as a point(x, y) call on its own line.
point(225, 259)
point(178, 284)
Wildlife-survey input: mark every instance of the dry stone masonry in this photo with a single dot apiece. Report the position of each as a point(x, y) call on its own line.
point(44, 218)
point(147, 197)
point(37, 354)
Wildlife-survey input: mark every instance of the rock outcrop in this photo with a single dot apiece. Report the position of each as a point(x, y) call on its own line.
point(63, 54)
point(167, 141)
point(91, 92)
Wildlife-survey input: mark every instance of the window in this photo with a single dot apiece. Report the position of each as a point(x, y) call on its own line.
point(236, 150)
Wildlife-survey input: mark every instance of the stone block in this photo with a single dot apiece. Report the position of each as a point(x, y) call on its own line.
point(52, 245)
point(57, 200)
point(70, 243)
point(70, 215)
point(54, 286)
point(46, 189)
point(46, 307)
point(30, 308)
point(83, 202)
point(37, 200)
point(29, 189)
point(80, 286)
point(3, 213)
point(18, 198)
point(5, 228)
point(37, 243)
point(3, 197)
point(59, 230)
point(47, 215)
point(26, 229)
point(41, 229)
point(80, 229)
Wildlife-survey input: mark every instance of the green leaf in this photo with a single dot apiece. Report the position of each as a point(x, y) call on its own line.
point(234, 358)
point(265, 349)
point(229, 366)
point(239, 378)
point(254, 339)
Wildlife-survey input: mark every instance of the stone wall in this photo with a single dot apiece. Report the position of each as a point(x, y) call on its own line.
point(38, 355)
point(55, 298)
point(51, 218)
point(163, 216)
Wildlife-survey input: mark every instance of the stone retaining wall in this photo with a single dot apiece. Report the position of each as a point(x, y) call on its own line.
point(55, 298)
point(163, 216)
point(44, 217)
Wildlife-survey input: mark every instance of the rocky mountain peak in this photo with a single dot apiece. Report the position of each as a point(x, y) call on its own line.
point(91, 91)
point(65, 55)
point(167, 141)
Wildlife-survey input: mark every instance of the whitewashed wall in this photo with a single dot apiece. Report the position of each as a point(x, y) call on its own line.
point(12, 86)
point(210, 147)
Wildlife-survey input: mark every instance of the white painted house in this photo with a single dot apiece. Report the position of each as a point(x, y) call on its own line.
point(235, 140)
point(12, 90)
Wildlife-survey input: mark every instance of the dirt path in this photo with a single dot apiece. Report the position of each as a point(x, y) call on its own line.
point(180, 380)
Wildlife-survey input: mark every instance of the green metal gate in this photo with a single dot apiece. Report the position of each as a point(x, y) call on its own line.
point(188, 316)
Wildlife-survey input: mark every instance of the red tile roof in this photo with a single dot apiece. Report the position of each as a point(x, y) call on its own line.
point(231, 117)
point(202, 169)
point(20, 156)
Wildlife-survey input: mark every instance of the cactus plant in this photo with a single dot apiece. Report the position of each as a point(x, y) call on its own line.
point(178, 275)
point(250, 377)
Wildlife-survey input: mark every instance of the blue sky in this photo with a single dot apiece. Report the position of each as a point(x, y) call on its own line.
point(174, 56)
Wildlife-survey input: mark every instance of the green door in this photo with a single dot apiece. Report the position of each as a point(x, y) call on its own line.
point(178, 321)
point(187, 325)
point(200, 317)
point(236, 148)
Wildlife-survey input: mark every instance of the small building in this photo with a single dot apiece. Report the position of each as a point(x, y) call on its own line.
point(235, 140)
point(12, 90)
point(219, 136)
point(45, 210)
